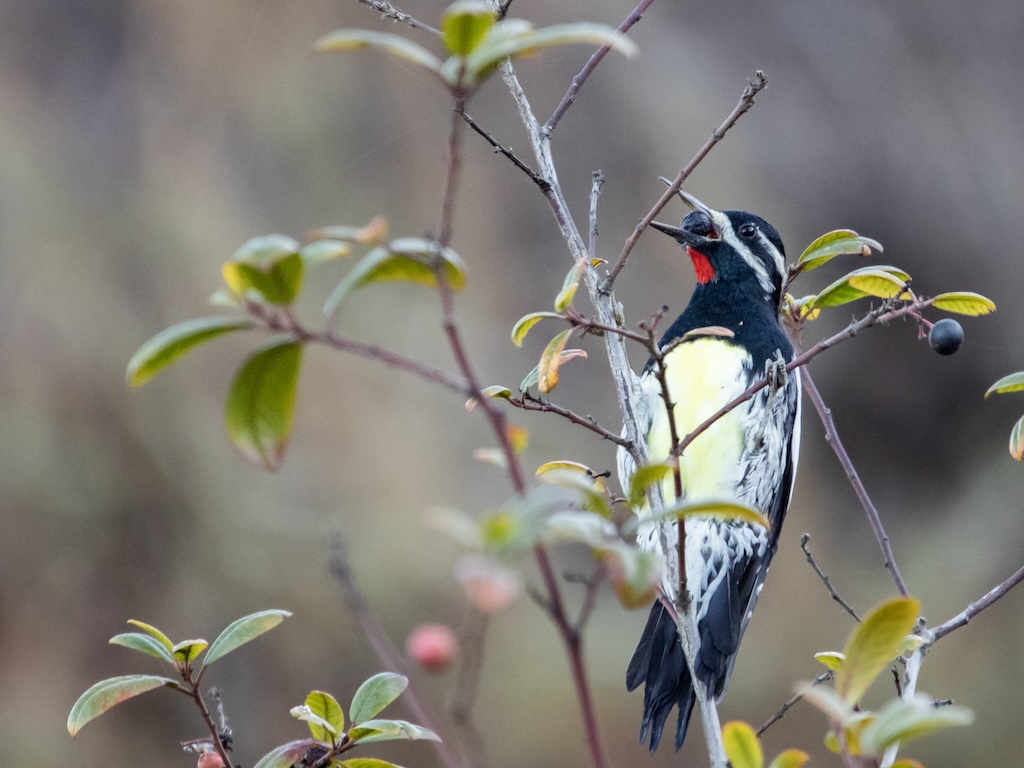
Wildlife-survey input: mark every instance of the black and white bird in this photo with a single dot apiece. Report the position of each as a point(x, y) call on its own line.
point(726, 339)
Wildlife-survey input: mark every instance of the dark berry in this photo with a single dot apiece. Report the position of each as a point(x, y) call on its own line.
point(699, 223)
point(946, 336)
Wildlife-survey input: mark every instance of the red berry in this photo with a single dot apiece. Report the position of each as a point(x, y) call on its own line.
point(210, 760)
point(432, 646)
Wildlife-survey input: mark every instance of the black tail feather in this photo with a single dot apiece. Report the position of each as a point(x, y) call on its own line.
point(659, 664)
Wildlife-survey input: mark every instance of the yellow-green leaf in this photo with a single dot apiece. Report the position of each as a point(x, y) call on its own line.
point(874, 645)
point(143, 643)
point(286, 755)
point(375, 694)
point(1011, 383)
point(1017, 440)
point(534, 376)
point(187, 650)
point(569, 286)
point(841, 242)
point(331, 719)
point(408, 259)
point(109, 693)
point(319, 251)
point(643, 478)
point(495, 390)
point(171, 343)
point(550, 361)
point(526, 322)
point(165, 641)
point(464, 24)
point(831, 659)
point(842, 292)
point(906, 719)
point(907, 763)
point(354, 39)
point(261, 403)
point(590, 492)
point(241, 631)
point(741, 745)
point(275, 282)
point(634, 574)
point(878, 282)
point(790, 758)
point(964, 303)
point(367, 762)
point(715, 509)
point(390, 730)
point(563, 465)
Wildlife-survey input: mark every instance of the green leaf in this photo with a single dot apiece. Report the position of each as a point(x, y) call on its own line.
point(878, 282)
point(907, 763)
point(286, 755)
point(634, 574)
point(569, 286)
point(354, 39)
point(643, 478)
point(589, 528)
point(964, 303)
point(367, 762)
point(874, 645)
point(1012, 383)
point(790, 758)
point(526, 322)
point(319, 251)
point(109, 693)
point(261, 403)
point(327, 708)
point(266, 250)
point(149, 629)
point(375, 694)
point(495, 390)
point(906, 719)
point(171, 343)
point(741, 745)
point(841, 242)
point(276, 282)
point(407, 259)
point(390, 730)
point(715, 509)
point(534, 376)
point(551, 361)
point(187, 650)
point(827, 700)
point(587, 491)
point(464, 25)
point(842, 292)
point(241, 631)
point(144, 643)
point(504, 40)
point(831, 659)
point(318, 726)
point(1017, 440)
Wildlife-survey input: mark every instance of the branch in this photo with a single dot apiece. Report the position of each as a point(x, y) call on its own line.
point(979, 605)
point(804, 539)
point(577, 82)
point(822, 678)
point(528, 402)
point(746, 101)
point(386, 651)
point(832, 438)
point(512, 156)
point(389, 11)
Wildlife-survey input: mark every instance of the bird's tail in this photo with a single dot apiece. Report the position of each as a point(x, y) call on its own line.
point(659, 664)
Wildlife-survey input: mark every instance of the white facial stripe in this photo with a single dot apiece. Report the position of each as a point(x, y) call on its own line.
point(724, 227)
point(780, 262)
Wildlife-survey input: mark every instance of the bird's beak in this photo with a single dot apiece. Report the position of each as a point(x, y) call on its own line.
point(675, 232)
point(693, 202)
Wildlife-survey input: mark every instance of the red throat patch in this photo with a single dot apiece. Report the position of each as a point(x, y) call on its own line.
point(701, 265)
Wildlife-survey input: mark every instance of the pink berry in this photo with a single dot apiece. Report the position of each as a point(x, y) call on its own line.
point(432, 646)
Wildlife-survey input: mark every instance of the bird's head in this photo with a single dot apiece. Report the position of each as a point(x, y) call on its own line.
point(731, 247)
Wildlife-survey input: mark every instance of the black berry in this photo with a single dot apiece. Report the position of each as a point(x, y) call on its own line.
point(946, 336)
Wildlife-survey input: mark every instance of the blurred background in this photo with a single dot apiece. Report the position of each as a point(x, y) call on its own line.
point(142, 142)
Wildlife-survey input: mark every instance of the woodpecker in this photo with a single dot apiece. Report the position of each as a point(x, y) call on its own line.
point(728, 337)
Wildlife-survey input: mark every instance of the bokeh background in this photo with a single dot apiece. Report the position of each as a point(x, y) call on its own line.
point(141, 142)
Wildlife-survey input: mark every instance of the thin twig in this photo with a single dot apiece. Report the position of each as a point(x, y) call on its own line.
point(577, 82)
point(832, 438)
point(528, 402)
point(389, 655)
point(746, 101)
point(979, 605)
point(467, 679)
point(804, 540)
point(534, 176)
point(822, 678)
point(389, 11)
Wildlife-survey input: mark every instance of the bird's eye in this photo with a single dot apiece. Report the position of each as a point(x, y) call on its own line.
point(748, 230)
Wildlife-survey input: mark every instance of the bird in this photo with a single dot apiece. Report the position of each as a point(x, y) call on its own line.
point(728, 337)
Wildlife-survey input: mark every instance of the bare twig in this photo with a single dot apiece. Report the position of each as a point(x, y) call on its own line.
point(822, 678)
point(746, 101)
point(467, 679)
point(590, 66)
point(979, 605)
point(529, 402)
point(804, 540)
point(382, 645)
point(832, 438)
point(389, 11)
point(534, 176)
